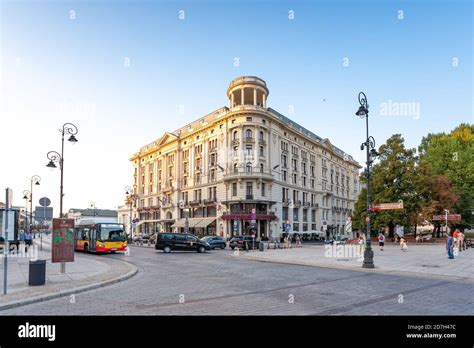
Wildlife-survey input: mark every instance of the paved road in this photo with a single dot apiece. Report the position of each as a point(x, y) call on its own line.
point(220, 284)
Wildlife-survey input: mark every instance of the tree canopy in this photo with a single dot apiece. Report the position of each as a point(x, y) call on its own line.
point(440, 176)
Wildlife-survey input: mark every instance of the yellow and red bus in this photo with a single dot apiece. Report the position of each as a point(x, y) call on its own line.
point(100, 237)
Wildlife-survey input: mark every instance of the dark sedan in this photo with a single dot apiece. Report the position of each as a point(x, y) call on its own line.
point(215, 241)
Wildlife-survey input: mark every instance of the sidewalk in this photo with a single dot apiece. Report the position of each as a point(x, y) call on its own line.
point(420, 260)
point(86, 272)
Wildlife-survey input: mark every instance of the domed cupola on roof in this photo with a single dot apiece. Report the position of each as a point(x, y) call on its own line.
point(248, 90)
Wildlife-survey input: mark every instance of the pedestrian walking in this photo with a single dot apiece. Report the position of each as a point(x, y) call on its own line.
point(449, 246)
point(403, 244)
point(463, 241)
point(28, 241)
point(381, 241)
point(456, 238)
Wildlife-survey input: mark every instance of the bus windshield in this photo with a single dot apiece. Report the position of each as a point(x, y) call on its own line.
point(111, 233)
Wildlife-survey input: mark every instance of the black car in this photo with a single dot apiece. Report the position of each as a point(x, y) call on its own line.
point(180, 241)
point(243, 242)
point(215, 241)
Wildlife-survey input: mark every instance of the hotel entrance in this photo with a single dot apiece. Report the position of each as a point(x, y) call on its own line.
point(248, 219)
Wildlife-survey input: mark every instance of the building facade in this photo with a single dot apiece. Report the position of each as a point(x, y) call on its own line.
point(78, 214)
point(244, 169)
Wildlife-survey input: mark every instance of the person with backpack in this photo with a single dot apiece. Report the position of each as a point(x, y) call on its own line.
point(381, 241)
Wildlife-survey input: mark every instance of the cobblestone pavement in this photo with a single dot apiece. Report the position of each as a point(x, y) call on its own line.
point(87, 271)
point(217, 283)
point(428, 260)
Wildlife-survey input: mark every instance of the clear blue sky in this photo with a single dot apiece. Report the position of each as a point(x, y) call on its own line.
point(56, 69)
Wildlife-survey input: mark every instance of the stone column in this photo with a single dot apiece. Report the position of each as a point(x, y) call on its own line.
point(264, 100)
point(242, 96)
point(254, 96)
point(232, 100)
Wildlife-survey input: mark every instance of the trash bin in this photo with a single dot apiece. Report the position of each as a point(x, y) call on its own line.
point(37, 272)
point(261, 246)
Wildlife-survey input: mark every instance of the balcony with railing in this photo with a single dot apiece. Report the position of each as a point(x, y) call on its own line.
point(232, 173)
point(249, 140)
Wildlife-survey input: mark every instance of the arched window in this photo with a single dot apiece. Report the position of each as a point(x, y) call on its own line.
point(235, 168)
point(261, 167)
point(260, 135)
point(235, 135)
point(248, 167)
point(248, 133)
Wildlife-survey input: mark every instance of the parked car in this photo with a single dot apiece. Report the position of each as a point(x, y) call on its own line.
point(240, 242)
point(215, 241)
point(168, 241)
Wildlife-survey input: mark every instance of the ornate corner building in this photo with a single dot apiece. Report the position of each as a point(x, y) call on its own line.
point(243, 169)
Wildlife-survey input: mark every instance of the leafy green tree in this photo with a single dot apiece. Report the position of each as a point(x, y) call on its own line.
point(452, 156)
point(395, 177)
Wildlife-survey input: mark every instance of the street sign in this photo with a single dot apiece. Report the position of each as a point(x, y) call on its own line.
point(367, 219)
point(387, 206)
point(451, 217)
point(63, 240)
point(235, 225)
point(43, 213)
point(44, 202)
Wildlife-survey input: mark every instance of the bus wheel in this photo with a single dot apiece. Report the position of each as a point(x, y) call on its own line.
point(166, 249)
point(86, 248)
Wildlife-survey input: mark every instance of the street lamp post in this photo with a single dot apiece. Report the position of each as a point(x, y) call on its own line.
point(95, 210)
point(131, 199)
point(26, 196)
point(35, 179)
point(54, 157)
point(371, 153)
point(446, 212)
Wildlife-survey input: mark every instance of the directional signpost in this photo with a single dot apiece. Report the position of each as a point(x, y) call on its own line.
point(451, 217)
point(387, 206)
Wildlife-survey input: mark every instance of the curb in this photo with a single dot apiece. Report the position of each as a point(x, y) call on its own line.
point(374, 270)
point(71, 291)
